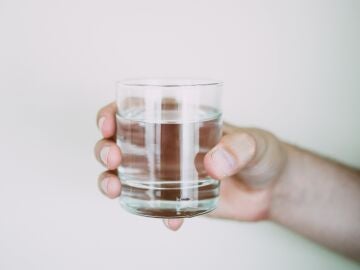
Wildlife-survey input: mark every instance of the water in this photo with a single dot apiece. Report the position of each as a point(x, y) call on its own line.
point(162, 171)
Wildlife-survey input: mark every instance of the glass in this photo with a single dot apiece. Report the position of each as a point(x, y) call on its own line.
point(164, 129)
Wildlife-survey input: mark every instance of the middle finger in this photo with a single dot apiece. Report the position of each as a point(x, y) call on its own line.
point(108, 153)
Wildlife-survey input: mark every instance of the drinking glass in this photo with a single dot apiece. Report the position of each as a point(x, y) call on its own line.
point(165, 127)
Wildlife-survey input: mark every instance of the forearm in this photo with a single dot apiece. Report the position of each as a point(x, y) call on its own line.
point(319, 199)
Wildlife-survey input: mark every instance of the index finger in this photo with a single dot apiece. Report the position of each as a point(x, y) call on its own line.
point(106, 120)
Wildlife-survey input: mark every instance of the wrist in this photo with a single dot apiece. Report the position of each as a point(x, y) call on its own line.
point(282, 187)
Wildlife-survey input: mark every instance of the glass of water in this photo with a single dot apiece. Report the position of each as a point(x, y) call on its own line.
point(165, 127)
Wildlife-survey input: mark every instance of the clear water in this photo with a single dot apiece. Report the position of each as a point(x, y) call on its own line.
point(162, 171)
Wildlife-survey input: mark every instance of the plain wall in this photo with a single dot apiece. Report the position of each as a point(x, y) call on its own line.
point(292, 67)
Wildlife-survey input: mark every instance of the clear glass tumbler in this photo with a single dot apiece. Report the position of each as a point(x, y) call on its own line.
point(164, 129)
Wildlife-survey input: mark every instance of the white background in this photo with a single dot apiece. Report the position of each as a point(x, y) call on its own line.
point(289, 66)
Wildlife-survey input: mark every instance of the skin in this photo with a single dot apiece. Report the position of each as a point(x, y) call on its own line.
point(263, 178)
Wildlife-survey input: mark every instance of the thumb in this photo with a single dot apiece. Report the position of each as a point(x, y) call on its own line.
point(232, 154)
point(253, 154)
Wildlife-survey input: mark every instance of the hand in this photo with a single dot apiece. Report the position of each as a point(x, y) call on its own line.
point(247, 161)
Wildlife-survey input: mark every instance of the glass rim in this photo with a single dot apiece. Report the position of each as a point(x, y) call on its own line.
point(168, 82)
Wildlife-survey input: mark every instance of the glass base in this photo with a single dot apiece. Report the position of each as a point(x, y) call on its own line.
point(170, 199)
point(168, 209)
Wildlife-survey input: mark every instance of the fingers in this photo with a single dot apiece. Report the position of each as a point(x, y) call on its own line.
point(173, 224)
point(256, 155)
point(108, 154)
point(106, 120)
point(109, 184)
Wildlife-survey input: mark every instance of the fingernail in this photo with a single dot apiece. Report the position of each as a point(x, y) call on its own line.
point(224, 161)
point(101, 122)
point(173, 224)
point(104, 154)
point(104, 185)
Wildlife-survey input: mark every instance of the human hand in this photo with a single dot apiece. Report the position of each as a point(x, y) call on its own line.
point(247, 161)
